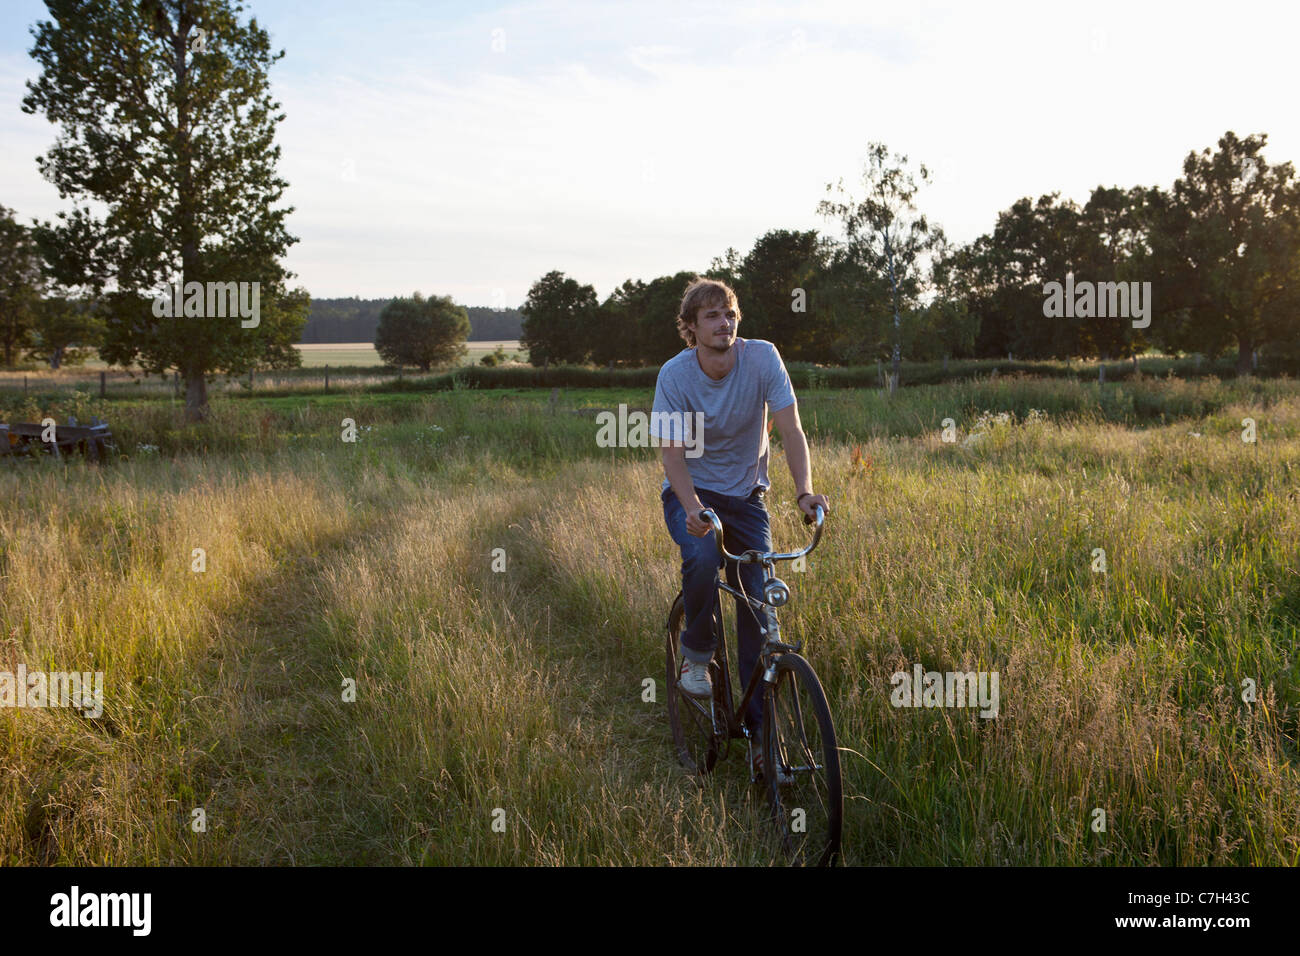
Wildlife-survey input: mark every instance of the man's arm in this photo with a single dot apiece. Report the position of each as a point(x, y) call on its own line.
point(668, 402)
point(797, 457)
point(679, 477)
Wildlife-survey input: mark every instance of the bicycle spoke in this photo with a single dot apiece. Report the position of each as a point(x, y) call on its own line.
point(808, 809)
point(806, 752)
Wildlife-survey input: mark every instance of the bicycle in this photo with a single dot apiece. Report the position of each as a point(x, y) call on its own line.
point(807, 812)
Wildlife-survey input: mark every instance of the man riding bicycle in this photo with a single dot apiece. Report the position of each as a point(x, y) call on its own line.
point(732, 382)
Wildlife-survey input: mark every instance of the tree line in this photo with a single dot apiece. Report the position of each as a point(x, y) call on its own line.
point(38, 325)
point(1213, 261)
point(166, 148)
point(357, 320)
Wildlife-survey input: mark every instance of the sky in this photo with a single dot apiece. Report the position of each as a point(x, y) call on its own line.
point(467, 149)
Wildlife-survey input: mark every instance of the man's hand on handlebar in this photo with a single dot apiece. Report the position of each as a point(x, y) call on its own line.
point(695, 524)
point(808, 505)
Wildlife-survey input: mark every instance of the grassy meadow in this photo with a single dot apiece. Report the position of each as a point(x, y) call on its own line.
point(479, 691)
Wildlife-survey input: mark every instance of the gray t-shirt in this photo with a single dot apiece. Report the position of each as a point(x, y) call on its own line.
point(735, 449)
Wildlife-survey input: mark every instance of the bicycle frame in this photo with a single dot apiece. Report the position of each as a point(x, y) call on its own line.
point(732, 725)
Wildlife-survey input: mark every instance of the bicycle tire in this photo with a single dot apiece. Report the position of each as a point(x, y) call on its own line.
point(694, 735)
point(813, 837)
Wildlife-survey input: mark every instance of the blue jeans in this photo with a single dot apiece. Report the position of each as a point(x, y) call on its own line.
point(745, 526)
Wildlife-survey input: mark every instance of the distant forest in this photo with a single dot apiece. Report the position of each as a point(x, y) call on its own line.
point(355, 320)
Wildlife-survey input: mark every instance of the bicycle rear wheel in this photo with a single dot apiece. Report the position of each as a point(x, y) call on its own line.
point(799, 739)
point(691, 719)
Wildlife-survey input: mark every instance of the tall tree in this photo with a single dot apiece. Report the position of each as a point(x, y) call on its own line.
point(167, 120)
point(776, 282)
point(659, 339)
point(854, 300)
point(620, 326)
point(637, 324)
point(20, 285)
point(1033, 243)
point(1112, 245)
point(560, 319)
point(1036, 242)
point(948, 324)
point(975, 273)
point(1227, 245)
point(422, 332)
point(886, 231)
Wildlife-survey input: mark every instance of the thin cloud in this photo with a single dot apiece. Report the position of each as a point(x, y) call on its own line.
point(464, 151)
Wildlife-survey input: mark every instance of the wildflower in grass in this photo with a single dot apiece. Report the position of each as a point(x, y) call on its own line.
point(987, 421)
point(432, 433)
point(857, 464)
point(998, 427)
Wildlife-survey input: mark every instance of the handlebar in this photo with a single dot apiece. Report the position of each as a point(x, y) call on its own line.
point(759, 557)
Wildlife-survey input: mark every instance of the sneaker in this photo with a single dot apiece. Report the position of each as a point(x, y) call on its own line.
point(784, 777)
point(695, 680)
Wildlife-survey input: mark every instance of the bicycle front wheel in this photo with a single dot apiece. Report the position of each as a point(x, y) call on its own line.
point(799, 746)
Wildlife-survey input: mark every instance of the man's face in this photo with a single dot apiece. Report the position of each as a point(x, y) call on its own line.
point(715, 326)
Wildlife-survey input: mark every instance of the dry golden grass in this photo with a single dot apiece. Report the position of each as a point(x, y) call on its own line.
point(520, 691)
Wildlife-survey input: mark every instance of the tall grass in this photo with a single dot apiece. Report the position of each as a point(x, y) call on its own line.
point(517, 695)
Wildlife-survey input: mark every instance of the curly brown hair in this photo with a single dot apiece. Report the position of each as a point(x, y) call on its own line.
point(703, 294)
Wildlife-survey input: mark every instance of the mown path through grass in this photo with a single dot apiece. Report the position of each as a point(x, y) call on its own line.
point(520, 690)
point(510, 696)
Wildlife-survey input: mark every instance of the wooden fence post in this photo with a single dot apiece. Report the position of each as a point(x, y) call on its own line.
point(103, 383)
point(327, 377)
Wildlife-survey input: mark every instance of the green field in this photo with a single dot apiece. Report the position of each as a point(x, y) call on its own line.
point(521, 691)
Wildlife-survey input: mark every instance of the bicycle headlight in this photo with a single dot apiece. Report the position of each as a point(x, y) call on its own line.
point(776, 593)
